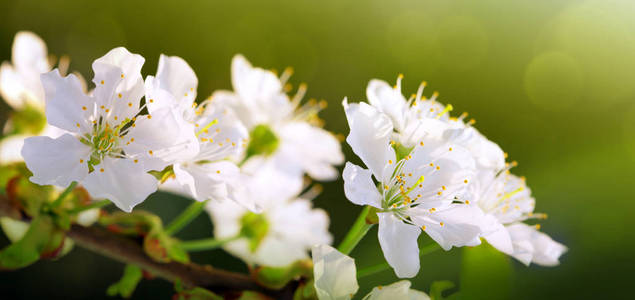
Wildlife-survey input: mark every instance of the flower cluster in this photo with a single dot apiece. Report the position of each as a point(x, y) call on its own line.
point(437, 174)
point(249, 156)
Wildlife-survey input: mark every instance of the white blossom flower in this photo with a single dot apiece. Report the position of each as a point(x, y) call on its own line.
point(20, 81)
point(108, 147)
point(336, 279)
point(208, 174)
point(420, 189)
point(507, 201)
point(21, 88)
point(279, 127)
point(281, 234)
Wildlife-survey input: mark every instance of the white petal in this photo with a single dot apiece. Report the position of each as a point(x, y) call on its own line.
point(121, 181)
point(454, 226)
point(253, 83)
point(118, 83)
point(399, 243)
point(359, 187)
point(57, 161)
point(88, 217)
point(177, 77)
point(486, 153)
point(66, 104)
point(497, 235)
point(397, 290)
point(531, 245)
point(12, 87)
point(160, 139)
point(272, 179)
point(315, 149)
point(29, 53)
point(207, 181)
point(369, 136)
point(387, 99)
point(225, 138)
point(334, 273)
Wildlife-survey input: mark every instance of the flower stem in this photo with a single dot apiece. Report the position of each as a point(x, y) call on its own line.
point(206, 244)
point(185, 217)
point(98, 204)
point(356, 233)
point(384, 266)
point(60, 198)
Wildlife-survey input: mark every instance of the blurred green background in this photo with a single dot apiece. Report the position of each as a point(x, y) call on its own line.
point(553, 82)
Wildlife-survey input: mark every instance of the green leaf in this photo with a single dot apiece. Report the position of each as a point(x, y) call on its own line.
point(305, 291)
point(485, 273)
point(127, 284)
point(27, 250)
point(438, 287)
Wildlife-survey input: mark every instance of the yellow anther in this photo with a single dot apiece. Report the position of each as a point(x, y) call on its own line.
point(467, 201)
point(439, 193)
point(151, 100)
point(129, 104)
point(421, 143)
point(390, 161)
point(149, 116)
point(433, 209)
point(132, 140)
point(119, 95)
point(101, 170)
point(122, 75)
point(77, 125)
point(136, 161)
point(107, 110)
point(217, 171)
point(471, 122)
point(81, 161)
point(443, 187)
point(431, 164)
point(150, 152)
point(435, 94)
point(185, 95)
point(441, 223)
point(423, 227)
point(438, 168)
point(83, 107)
point(386, 187)
point(537, 226)
point(505, 154)
point(465, 181)
point(102, 82)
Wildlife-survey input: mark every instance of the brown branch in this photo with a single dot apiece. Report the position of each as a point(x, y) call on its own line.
point(126, 250)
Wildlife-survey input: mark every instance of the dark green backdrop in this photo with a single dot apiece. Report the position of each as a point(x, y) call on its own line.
point(553, 82)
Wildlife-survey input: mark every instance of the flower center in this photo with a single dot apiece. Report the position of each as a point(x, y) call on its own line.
point(262, 141)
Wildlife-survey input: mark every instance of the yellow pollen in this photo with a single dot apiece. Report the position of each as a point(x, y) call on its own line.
point(217, 130)
point(433, 209)
point(467, 201)
point(438, 168)
point(122, 76)
point(77, 125)
point(421, 143)
point(102, 82)
point(431, 164)
point(129, 104)
point(150, 152)
point(537, 226)
point(465, 181)
point(185, 94)
point(410, 174)
point(83, 107)
point(136, 161)
point(101, 170)
point(149, 116)
point(217, 171)
point(423, 227)
point(441, 223)
point(439, 193)
point(151, 100)
point(471, 122)
point(115, 118)
point(220, 144)
point(389, 161)
point(107, 110)
point(119, 95)
point(132, 140)
point(450, 149)
point(102, 107)
point(233, 144)
point(505, 155)
point(385, 187)
point(435, 94)
point(81, 161)
point(443, 187)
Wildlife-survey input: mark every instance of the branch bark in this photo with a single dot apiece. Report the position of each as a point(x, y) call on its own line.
point(126, 250)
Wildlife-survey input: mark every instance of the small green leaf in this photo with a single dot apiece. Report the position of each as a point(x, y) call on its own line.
point(127, 284)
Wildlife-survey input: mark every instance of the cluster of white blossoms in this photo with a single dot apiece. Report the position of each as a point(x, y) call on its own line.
point(436, 174)
point(250, 151)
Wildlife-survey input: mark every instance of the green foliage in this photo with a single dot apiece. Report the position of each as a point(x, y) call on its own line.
point(254, 228)
point(486, 273)
point(27, 120)
point(305, 291)
point(262, 141)
point(132, 275)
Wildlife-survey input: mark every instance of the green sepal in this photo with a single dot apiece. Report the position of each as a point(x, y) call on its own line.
point(278, 277)
point(132, 275)
point(164, 174)
point(402, 151)
point(164, 248)
point(371, 217)
point(42, 238)
point(305, 291)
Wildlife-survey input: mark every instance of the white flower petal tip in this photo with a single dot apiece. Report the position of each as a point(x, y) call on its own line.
point(399, 243)
point(398, 290)
point(334, 273)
